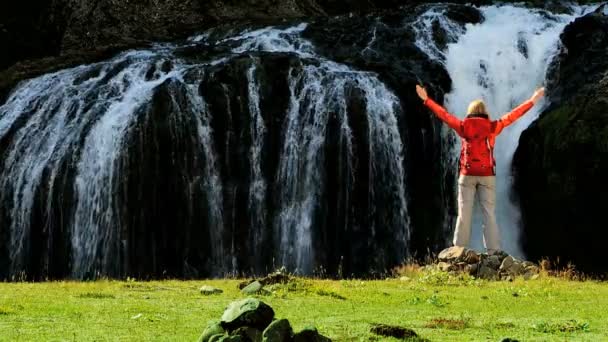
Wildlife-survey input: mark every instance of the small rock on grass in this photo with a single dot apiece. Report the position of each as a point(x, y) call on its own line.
point(393, 331)
point(254, 288)
point(210, 290)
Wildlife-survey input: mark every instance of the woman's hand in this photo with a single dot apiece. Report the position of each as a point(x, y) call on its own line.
point(538, 94)
point(421, 92)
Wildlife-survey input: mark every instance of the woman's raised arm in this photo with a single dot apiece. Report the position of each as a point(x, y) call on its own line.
point(519, 111)
point(441, 112)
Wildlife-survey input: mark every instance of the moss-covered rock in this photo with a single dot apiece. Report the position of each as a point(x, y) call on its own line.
point(248, 312)
point(213, 328)
point(278, 331)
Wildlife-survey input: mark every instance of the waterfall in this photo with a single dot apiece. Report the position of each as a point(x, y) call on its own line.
point(86, 152)
point(501, 60)
point(316, 93)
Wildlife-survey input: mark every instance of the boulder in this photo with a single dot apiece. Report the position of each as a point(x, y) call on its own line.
point(248, 312)
point(278, 331)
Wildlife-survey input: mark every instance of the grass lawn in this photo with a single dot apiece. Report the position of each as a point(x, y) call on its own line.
point(437, 306)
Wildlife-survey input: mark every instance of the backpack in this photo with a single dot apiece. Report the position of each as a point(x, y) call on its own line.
point(477, 153)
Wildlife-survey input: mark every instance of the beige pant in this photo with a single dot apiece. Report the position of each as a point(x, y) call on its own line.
point(485, 188)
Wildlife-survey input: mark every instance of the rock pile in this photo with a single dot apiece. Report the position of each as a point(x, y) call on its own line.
point(493, 266)
point(250, 320)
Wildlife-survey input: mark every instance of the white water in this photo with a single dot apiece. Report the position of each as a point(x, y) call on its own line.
point(317, 92)
point(90, 122)
point(502, 61)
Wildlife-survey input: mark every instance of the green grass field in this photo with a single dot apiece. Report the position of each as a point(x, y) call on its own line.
point(437, 306)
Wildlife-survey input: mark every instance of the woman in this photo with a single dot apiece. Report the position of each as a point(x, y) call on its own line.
point(477, 165)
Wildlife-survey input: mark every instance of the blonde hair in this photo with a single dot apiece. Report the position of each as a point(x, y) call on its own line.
point(477, 107)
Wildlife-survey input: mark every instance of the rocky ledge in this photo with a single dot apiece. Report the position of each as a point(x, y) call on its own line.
point(493, 266)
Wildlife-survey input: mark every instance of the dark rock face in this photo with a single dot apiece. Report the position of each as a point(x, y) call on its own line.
point(561, 163)
point(32, 29)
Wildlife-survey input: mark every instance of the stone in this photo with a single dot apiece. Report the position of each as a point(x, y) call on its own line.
point(278, 331)
point(213, 328)
point(310, 334)
point(244, 284)
point(488, 273)
point(471, 257)
point(527, 264)
point(248, 312)
point(499, 254)
point(471, 269)
point(445, 267)
point(254, 288)
point(511, 266)
point(452, 254)
point(248, 334)
point(393, 331)
point(210, 290)
point(491, 261)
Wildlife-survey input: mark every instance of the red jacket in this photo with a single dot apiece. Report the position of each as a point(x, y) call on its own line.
point(478, 135)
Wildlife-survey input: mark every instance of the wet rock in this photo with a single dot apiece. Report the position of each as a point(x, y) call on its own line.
point(248, 312)
point(278, 331)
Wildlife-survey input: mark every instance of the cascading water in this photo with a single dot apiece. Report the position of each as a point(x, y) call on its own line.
point(76, 163)
point(502, 61)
